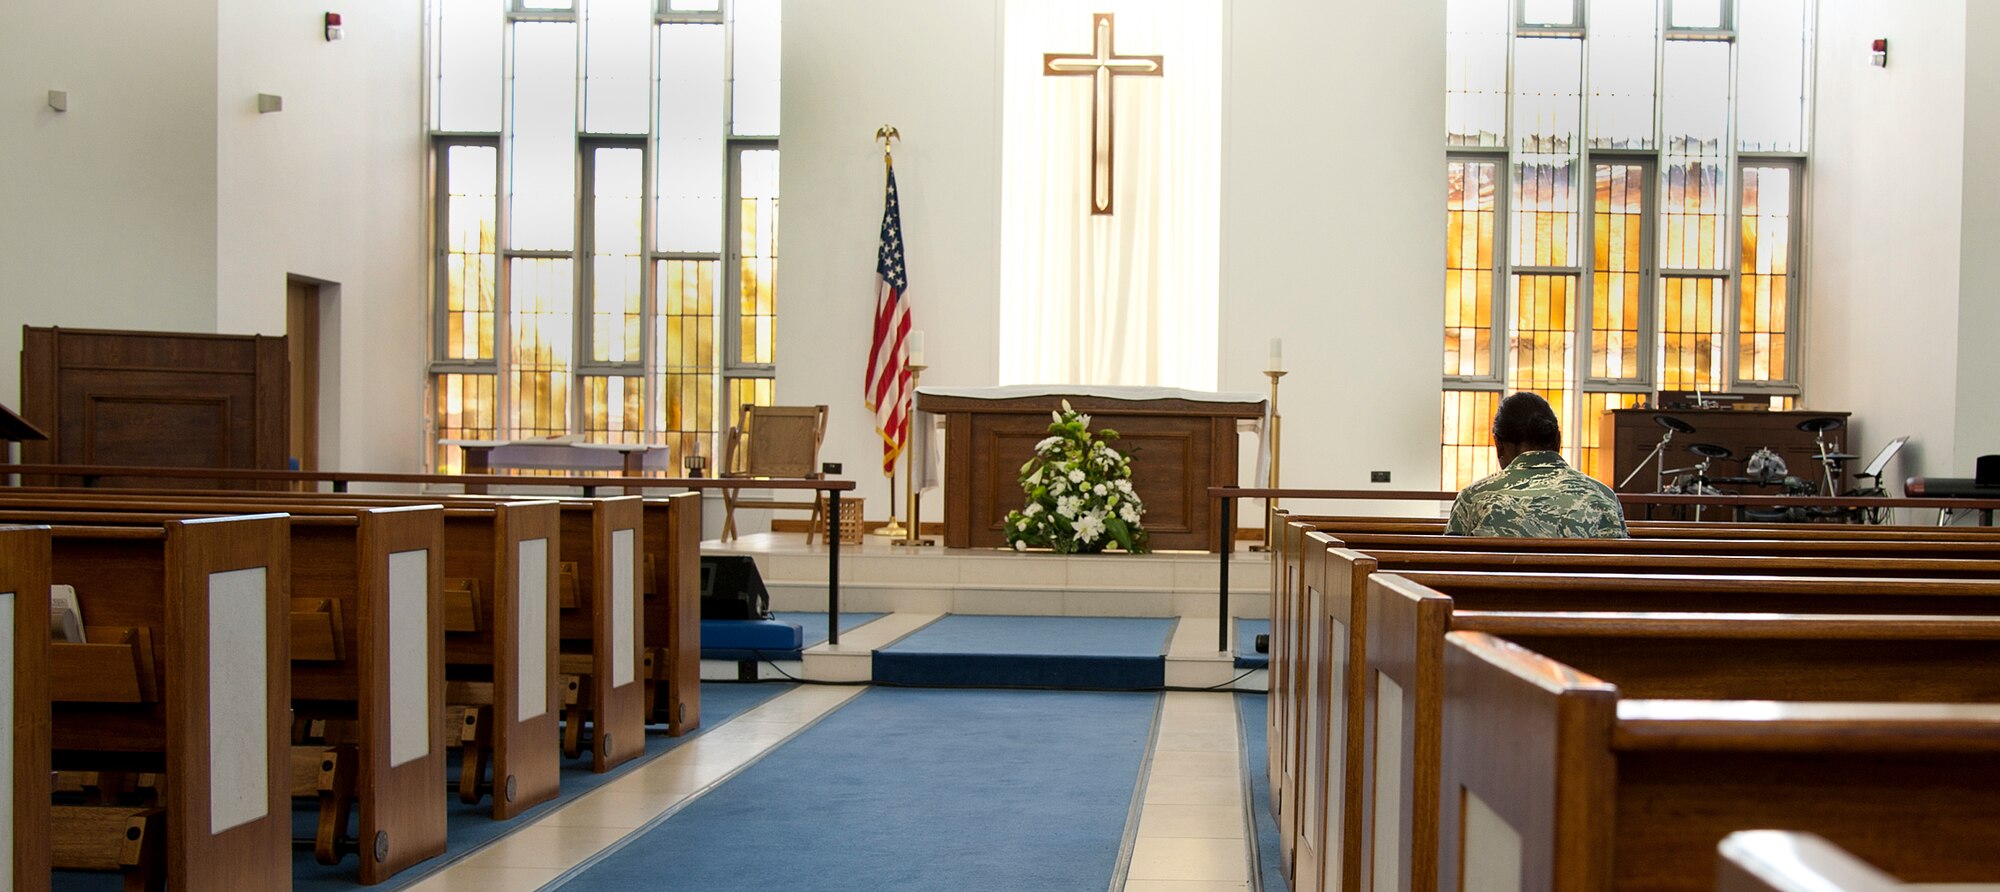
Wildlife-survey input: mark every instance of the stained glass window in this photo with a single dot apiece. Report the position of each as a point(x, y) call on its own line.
point(1639, 252)
point(586, 270)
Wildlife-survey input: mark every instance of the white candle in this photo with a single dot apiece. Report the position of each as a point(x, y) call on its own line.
point(916, 347)
point(1277, 354)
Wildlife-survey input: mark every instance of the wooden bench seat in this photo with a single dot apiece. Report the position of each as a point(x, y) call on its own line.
point(1554, 778)
point(209, 712)
point(1787, 861)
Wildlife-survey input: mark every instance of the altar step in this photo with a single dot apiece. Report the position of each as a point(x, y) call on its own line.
point(877, 577)
point(967, 650)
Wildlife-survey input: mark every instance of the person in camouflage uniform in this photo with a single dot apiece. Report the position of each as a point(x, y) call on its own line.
point(1536, 494)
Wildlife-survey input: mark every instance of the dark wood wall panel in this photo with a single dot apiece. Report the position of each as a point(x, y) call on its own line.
point(162, 399)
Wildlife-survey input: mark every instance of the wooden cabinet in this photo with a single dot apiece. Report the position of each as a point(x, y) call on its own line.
point(1630, 434)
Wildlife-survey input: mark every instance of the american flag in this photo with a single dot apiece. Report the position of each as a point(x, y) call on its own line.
point(888, 386)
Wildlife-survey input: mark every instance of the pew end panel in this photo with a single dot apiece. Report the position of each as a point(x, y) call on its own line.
point(1282, 671)
point(401, 629)
point(24, 704)
point(1337, 582)
point(601, 537)
point(526, 757)
point(1402, 696)
point(227, 689)
point(1526, 772)
point(673, 618)
point(1306, 772)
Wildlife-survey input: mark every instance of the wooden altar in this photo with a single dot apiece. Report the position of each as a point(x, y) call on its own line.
point(1179, 448)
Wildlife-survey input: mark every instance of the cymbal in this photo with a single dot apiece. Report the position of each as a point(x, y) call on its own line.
point(1822, 423)
point(1710, 450)
point(1673, 424)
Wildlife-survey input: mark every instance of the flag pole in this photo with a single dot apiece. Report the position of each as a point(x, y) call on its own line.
point(916, 533)
point(894, 529)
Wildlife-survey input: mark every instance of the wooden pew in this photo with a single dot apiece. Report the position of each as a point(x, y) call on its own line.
point(365, 619)
point(187, 675)
point(1676, 529)
point(1599, 786)
point(1784, 861)
point(1818, 547)
point(670, 663)
point(24, 704)
point(1403, 664)
point(489, 674)
point(602, 635)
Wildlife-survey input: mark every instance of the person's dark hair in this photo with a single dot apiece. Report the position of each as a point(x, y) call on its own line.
point(1527, 420)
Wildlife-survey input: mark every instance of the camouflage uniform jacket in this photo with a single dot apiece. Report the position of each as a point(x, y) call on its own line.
point(1539, 496)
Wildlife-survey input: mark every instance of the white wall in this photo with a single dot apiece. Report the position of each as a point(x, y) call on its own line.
point(330, 189)
point(1332, 181)
point(107, 211)
point(1884, 260)
point(1978, 418)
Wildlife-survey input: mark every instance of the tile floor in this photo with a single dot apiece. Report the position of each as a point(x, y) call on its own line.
point(1193, 824)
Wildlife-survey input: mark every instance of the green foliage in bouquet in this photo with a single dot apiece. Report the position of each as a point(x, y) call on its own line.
point(1079, 489)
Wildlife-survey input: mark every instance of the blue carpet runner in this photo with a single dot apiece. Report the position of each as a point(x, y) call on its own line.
point(738, 640)
point(1253, 709)
point(906, 789)
point(471, 826)
point(1095, 652)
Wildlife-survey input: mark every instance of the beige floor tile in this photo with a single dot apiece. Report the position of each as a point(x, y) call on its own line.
point(613, 808)
point(1208, 821)
point(541, 845)
point(1155, 858)
point(1179, 741)
point(1186, 886)
point(677, 777)
point(465, 878)
point(1194, 791)
point(1197, 764)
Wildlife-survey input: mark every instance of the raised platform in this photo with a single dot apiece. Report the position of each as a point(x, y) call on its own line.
point(941, 613)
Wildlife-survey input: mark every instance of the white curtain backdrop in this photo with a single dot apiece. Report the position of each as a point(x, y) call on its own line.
point(1130, 298)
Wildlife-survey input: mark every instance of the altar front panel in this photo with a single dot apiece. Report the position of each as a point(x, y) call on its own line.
point(1179, 448)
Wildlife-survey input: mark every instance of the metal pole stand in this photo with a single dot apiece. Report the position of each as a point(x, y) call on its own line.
point(913, 536)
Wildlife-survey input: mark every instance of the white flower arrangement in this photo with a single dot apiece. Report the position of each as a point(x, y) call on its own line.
point(1079, 490)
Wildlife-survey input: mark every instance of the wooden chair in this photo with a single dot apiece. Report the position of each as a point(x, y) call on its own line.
point(773, 441)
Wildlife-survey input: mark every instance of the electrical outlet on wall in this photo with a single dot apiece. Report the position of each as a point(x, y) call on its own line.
point(1378, 476)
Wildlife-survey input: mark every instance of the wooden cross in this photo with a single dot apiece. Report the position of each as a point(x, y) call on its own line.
point(1101, 64)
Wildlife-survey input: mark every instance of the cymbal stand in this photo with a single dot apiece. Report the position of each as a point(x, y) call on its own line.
point(1659, 460)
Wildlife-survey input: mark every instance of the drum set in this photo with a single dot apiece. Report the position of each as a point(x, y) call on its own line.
point(1762, 468)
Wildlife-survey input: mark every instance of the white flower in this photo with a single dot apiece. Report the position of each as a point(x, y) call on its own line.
point(1124, 486)
point(1111, 453)
point(1057, 486)
point(1047, 442)
point(1090, 526)
point(1085, 419)
point(1022, 525)
point(1076, 476)
point(1066, 407)
point(1067, 506)
point(1035, 479)
point(1032, 509)
point(1020, 545)
point(1099, 489)
point(1056, 417)
point(1128, 515)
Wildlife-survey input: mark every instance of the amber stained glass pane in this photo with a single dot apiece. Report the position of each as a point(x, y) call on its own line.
point(684, 392)
point(466, 410)
point(1616, 269)
point(1585, 442)
point(615, 303)
point(1691, 319)
point(541, 296)
point(1467, 435)
point(1763, 288)
point(614, 408)
point(471, 263)
point(1468, 301)
point(757, 309)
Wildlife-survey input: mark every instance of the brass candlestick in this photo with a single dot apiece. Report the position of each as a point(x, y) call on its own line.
point(1270, 539)
point(914, 537)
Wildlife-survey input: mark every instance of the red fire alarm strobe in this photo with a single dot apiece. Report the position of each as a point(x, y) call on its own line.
point(332, 27)
point(1878, 53)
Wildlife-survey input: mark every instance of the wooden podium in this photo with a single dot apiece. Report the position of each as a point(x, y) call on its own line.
point(1179, 448)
